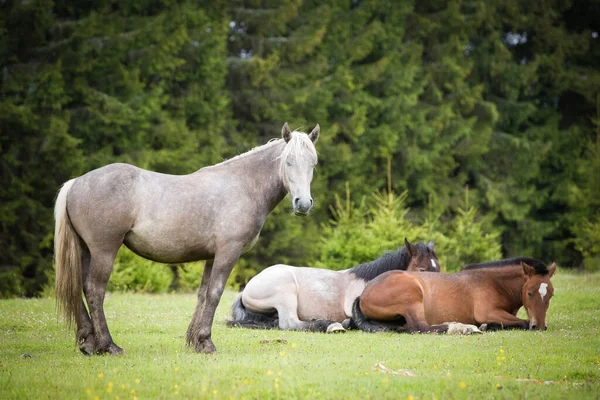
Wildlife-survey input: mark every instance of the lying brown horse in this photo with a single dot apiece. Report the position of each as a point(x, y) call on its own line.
point(490, 293)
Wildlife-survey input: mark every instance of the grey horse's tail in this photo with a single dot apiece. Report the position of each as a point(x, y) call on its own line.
point(361, 321)
point(67, 257)
point(243, 318)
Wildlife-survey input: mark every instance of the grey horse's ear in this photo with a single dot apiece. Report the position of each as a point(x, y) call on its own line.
point(410, 247)
point(430, 245)
point(286, 133)
point(314, 134)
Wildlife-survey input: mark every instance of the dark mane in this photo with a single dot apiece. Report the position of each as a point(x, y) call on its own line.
point(387, 262)
point(539, 266)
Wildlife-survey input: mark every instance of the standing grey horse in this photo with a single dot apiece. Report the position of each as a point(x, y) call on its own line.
point(214, 214)
point(314, 299)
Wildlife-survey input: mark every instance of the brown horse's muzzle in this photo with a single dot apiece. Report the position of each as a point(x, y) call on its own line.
point(539, 325)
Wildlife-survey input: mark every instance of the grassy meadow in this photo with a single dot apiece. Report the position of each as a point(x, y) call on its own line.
point(562, 362)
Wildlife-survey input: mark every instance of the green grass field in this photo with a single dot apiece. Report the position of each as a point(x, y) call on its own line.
point(562, 362)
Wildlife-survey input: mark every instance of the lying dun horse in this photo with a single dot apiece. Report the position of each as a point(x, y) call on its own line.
point(214, 214)
point(302, 298)
point(490, 293)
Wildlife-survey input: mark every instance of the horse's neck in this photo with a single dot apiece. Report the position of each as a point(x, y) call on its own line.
point(260, 170)
point(511, 280)
point(385, 263)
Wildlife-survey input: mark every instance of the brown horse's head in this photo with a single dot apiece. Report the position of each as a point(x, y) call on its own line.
point(537, 292)
point(422, 257)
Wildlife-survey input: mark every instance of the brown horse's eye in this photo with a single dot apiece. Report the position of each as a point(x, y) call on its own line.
point(529, 294)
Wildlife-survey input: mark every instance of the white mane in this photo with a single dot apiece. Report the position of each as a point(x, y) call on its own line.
point(298, 143)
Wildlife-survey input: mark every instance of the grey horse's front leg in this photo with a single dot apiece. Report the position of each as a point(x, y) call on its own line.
point(211, 289)
point(202, 294)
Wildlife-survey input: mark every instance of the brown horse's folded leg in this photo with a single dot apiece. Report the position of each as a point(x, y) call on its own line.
point(500, 319)
point(424, 327)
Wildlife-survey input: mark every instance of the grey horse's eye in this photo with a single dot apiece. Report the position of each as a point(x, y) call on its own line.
point(289, 164)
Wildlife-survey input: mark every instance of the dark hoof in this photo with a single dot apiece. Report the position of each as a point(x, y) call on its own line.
point(87, 345)
point(111, 349)
point(347, 324)
point(115, 350)
point(205, 347)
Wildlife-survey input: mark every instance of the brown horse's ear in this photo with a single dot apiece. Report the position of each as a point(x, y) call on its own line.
point(528, 269)
point(286, 133)
point(552, 269)
point(410, 247)
point(314, 134)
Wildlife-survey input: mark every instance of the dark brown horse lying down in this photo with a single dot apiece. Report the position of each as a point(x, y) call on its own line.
point(490, 293)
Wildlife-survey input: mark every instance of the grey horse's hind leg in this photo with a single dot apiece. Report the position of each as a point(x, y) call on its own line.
point(95, 288)
point(199, 331)
point(85, 337)
point(287, 311)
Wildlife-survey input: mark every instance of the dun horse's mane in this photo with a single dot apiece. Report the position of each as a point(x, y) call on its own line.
point(539, 266)
point(298, 141)
point(398, 260)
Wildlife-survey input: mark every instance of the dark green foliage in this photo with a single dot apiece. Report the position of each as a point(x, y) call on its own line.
point(501, 96)
point(363, 232)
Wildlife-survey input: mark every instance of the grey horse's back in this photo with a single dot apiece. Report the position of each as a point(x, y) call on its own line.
point(243, 318)
point(110, 184)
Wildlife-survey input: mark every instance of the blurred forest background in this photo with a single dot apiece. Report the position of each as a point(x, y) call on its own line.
point(473, 123)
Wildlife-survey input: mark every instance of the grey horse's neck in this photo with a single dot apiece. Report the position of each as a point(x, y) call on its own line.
point(260, 170)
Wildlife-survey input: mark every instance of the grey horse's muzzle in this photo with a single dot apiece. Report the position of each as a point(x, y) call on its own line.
point(302, 206)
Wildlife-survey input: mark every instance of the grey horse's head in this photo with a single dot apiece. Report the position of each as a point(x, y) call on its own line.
point(298, 161)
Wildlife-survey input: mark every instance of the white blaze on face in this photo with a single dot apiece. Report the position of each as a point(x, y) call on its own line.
point(433, 264)
point(543, 290)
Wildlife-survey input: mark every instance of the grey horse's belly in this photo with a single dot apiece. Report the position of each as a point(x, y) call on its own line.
point(160, 248)
point(321, 296)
